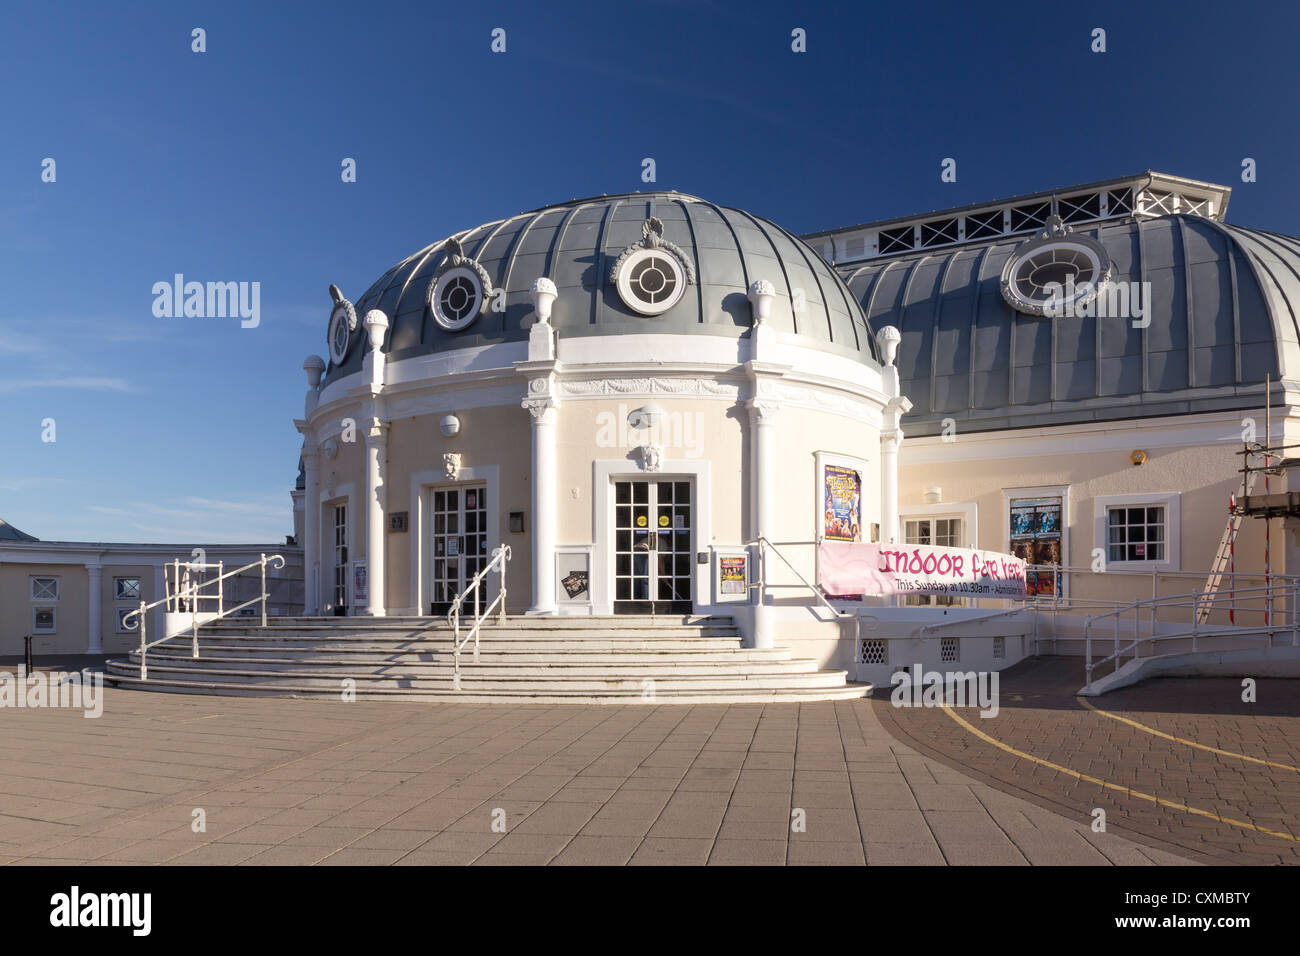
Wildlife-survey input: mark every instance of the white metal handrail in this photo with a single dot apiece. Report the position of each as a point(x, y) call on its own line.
point(968, 621)
point(1291, 591)
point(499, 558)
point(762, 584)
point(192, 594)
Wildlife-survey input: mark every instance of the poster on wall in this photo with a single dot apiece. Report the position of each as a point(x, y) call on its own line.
point(919, 569)
point(841, 504)
point(573, 577)
point(360, 584)
point(733, 576)
point(1036, 539)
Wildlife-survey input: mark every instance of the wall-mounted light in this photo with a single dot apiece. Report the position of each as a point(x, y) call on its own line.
point(1137, 456)
point(933, 495)
point(516, 522)
point(450, 425)
point(647, 416)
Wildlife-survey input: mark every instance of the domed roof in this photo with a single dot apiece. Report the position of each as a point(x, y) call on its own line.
point(9, 533)
point(580, 245)
point(1224, 312)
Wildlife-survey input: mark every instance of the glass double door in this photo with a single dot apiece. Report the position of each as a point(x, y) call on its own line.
point(653, 546)
point(458, 538)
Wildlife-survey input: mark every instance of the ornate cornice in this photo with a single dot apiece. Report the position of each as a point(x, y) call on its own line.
point(648, 386)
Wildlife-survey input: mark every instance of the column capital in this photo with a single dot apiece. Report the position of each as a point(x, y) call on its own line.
point(763, 411)
point(545, 411)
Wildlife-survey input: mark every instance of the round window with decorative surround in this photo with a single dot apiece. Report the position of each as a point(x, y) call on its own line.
point(456, 298)
point(651, 281)
point(1055, 273)
point(340, 333)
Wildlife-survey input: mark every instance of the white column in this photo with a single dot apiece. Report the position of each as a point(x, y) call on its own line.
point(890, 439)
point(762, 418)
point(545, 504)
point(376, 324)
point(94, 630)
point(376, 507)
point(310, 531)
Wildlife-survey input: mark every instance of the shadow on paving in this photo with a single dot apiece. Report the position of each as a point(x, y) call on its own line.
point(1040, 716)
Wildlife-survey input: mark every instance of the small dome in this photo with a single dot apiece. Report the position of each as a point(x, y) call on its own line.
point(1223, 314)
point(9, 533)
point(627, 264)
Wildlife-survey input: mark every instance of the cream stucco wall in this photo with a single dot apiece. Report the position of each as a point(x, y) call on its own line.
point(1192, 458)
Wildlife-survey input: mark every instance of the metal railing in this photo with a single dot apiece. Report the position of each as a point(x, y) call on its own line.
point(184, 593)
point(1267, 595)
point(499, 558)
point(762, 545)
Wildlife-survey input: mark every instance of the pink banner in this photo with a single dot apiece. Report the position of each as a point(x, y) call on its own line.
point(863, 568)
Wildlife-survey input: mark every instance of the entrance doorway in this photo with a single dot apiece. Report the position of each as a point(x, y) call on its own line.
point(654, 549)
point(458, 537)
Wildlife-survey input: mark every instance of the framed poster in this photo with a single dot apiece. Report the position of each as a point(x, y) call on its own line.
point(841, 503)
point(1035, 538)
point(573, 576)
point(841, 485)
point(360, 583)
point(731, 576)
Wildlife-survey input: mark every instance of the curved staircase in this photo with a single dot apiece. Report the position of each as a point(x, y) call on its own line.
point(624, 659)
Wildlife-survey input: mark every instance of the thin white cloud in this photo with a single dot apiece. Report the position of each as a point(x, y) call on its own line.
point(87, 383)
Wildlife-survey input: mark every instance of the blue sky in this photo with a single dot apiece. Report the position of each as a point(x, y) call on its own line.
point(225, 166)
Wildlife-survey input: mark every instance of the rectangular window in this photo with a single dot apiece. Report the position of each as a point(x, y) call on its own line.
point(43, 620)
point(126, 589)
point(940, 533)
point(1036, 525)
point(45, 589)
point(1136, 533)
point(341, 556)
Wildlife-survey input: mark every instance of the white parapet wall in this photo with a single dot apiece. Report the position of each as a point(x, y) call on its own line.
point(967, 639)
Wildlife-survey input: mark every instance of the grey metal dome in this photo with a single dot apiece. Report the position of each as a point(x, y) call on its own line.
point(1224, 313)
point(577, 243)
point(9, 533)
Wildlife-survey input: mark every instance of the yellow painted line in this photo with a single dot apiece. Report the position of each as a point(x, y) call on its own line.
point(1159, 801)
point(1184, 740)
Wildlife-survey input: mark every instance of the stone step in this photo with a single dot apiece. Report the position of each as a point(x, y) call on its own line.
point(497, 646)
point(752, 658)
point(615, 622)
point(489, 683)
point(680, 632)
point(845, 691)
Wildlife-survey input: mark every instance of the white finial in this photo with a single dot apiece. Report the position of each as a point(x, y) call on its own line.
point(543, 293)
point(888, 339)
point(376, 325)
point(314, 366)
point(761, 295)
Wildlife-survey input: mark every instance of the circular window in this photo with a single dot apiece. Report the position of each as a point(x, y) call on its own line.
point(340, 334)
point(456, 298)
point(651, 281)
point(1051, 277)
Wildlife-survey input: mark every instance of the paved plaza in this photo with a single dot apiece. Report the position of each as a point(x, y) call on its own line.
point(309, 782)
point(1186, 762)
